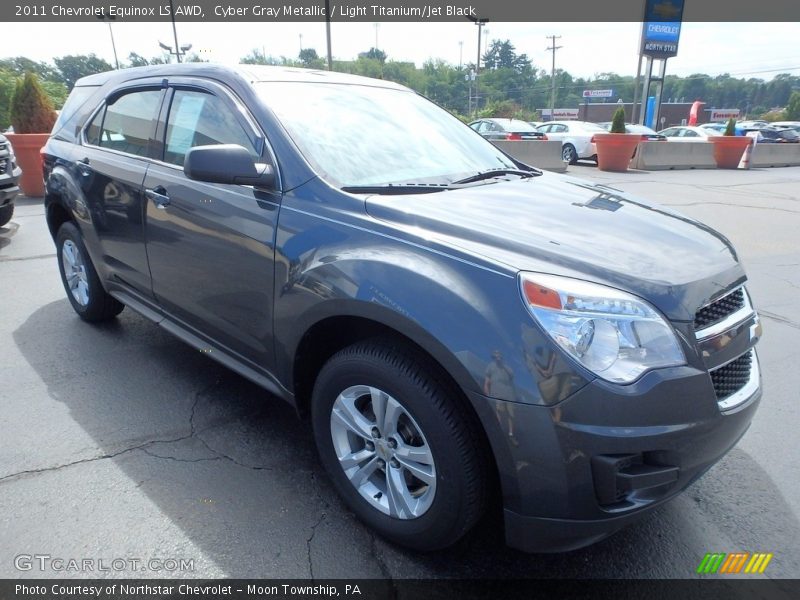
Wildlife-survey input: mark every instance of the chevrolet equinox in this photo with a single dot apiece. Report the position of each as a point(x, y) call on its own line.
point(454, 323)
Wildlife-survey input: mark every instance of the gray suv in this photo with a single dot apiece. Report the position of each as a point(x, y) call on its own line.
point(455, 324)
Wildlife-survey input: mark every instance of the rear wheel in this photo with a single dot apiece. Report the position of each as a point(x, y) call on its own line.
point(569, 154)
point(6, 212)
point(83, 287)
point(398, 446)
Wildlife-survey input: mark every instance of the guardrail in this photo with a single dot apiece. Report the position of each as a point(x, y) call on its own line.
point(540, 154)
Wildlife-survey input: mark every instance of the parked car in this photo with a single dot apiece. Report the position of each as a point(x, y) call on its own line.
point(454, 323)
point(647, 134)
point(497, 129)
point(9, 178)
point(787, 125)
point(718, 127)
point(575, 137)
point(752, 125)
point(776, 135)
point(688, 133)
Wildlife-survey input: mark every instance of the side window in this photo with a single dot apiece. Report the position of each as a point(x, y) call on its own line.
point(559, 128)
point(544, 128)
point(200, 119)
point(476, 126)
point(689, 133)
point(93, 131)
point(128, 122)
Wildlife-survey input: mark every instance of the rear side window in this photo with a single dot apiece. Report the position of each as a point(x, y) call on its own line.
point(127, 123)
point(201, 119)
point(77, 97)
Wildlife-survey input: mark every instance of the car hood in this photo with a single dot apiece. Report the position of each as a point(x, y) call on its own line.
point(567, 226)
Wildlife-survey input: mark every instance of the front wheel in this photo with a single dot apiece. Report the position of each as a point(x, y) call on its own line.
point(84, 290)
point(399, 448)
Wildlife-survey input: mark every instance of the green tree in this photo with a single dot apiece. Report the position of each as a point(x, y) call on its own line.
point(374, 54)
point(74, 67)
point(310, 59)
point(793, 107)
point(137, 60)
point(31, 109)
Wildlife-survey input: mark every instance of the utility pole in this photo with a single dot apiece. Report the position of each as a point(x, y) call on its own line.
point(301, 42)
point(377, 26)
point(553, 73)
point(460, 54)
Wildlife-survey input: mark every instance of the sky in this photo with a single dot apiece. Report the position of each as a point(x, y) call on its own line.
point(741, 49)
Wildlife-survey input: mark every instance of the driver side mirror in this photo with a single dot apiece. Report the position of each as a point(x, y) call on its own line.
point(227, 163)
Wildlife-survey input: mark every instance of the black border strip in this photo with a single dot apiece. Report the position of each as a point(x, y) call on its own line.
point(391, 10)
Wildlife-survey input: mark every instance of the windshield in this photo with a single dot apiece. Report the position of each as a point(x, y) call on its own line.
point(515, 125)
point(357, 135)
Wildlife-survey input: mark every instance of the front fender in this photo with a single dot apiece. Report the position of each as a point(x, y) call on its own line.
point(459, 312)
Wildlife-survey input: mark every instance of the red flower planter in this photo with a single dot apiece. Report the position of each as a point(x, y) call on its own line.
point(614, 150)
point(26, 147)
point(728, 150)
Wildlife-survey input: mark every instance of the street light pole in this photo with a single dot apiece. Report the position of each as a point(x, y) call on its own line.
point(328, 32)
point(480, 23)
point(174, 31)
point(460, 54)
point(107, 19)
point(553, 73)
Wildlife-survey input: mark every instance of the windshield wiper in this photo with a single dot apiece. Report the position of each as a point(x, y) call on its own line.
point(397, 188)
point(491, 173)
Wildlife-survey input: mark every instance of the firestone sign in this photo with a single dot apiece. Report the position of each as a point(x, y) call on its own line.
point(598, 93)
point(661, 29)
point(723, 114)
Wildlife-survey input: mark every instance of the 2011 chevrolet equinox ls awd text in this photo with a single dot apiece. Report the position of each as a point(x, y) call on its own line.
point(455, 323)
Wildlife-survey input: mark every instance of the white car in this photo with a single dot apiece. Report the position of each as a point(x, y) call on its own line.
point(575, 137)
point(689, 133)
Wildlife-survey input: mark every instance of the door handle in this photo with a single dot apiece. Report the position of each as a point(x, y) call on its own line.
point(158, 195)
point(83, 167)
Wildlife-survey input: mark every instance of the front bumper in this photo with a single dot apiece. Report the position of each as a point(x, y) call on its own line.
point(574, 473)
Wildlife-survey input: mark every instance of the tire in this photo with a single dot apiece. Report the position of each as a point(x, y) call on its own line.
point(569, 154)
point(81, 283)
point(424, 421)
point(6, 212)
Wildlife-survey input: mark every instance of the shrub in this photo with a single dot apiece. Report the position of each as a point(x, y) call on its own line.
point(618, 121)
point(31, 109)
point(730, 128)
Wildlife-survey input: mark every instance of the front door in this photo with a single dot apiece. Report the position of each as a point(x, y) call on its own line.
point(211, 246)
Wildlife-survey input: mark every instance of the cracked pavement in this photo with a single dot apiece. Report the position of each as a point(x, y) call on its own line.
point(119, 441)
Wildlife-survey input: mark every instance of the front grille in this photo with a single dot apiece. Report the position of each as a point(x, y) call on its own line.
point(719, 309)
point(732, 377)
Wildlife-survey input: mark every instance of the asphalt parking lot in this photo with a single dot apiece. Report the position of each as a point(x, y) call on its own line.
point(119, 441)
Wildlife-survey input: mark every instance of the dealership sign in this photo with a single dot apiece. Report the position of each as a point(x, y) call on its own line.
point(723, 114)
point(560, 114)
point(661, 28)
point(598, 93)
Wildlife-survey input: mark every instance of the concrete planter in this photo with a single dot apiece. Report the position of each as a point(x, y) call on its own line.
point(728, 150)
point(614, 150)
point(26, 147)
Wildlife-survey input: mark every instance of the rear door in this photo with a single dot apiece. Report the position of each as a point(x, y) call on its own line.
point(211, 246)
point(111, 165)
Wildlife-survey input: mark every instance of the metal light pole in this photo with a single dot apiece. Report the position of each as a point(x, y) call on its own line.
point(107, 19)
point(480, 23)
point(174, 31)
point(377, 26)
point(328, 32)
point(553, 73)
point(460, 54)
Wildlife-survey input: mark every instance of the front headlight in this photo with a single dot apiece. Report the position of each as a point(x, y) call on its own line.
point(612, 333)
